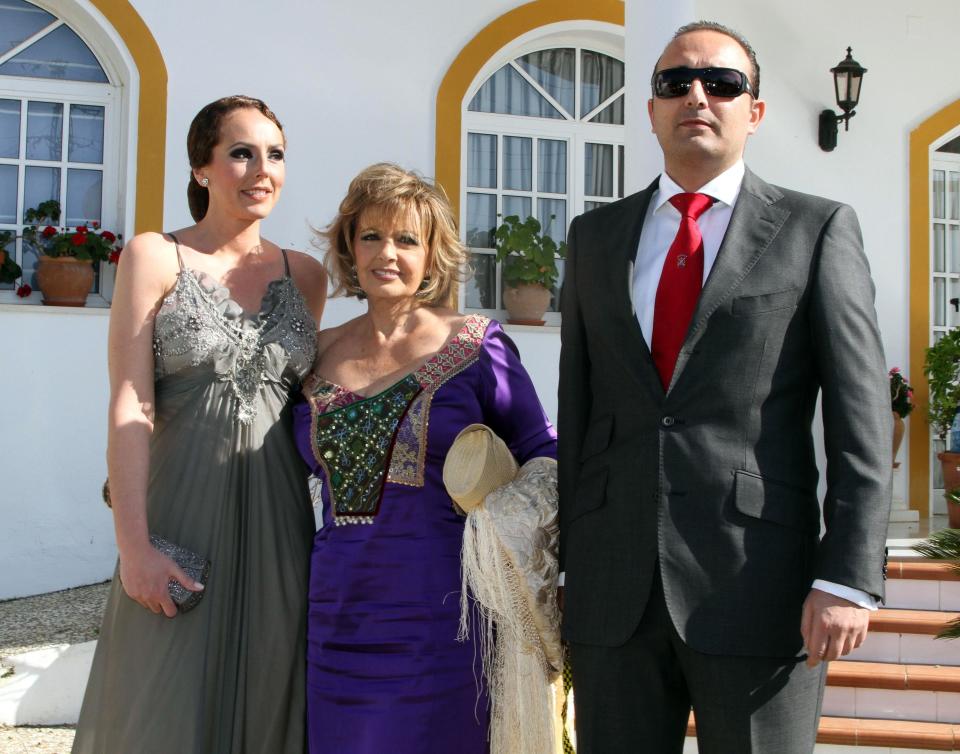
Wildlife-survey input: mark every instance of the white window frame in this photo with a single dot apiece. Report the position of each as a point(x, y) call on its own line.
point(948, 163)
point(119, 99)
point(592, 36)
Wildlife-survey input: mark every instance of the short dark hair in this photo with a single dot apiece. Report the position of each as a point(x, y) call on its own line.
point(204, 135)
point(734, 35)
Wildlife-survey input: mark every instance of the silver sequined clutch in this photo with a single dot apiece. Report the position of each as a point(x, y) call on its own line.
point(195, 566)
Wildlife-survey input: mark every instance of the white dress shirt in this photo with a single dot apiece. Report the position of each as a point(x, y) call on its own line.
point(659, 229)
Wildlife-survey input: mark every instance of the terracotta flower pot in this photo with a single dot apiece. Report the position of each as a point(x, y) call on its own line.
point(899, 427)
point(526, 304)
point(950, 462)
point(64, 281)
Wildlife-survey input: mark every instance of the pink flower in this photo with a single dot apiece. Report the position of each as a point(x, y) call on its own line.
point(894, 370)
point(24, 290)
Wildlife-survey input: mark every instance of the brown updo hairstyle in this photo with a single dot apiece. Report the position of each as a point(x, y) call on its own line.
point(390, 190)
point(204, 135)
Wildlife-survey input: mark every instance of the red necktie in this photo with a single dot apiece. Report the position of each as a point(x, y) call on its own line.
point(680, 283)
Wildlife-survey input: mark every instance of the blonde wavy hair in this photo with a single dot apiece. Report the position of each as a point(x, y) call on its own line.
point(390, 190)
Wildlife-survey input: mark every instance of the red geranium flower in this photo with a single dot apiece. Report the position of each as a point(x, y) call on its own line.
point(24, 290)
point(48, 231)
point(114, 257)
point(79, 239)
point(81, 229)
point(108, 236)
point(95, 224)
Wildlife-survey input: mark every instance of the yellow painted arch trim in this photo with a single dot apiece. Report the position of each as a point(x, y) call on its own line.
point(492, 38)
point(921, 138)
point(152, 111)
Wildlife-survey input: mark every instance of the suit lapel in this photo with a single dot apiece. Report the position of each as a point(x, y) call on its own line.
point(625, 239)
point(755, 222)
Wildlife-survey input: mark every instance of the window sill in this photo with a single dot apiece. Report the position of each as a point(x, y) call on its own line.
point(532, 329)
point(96, 305)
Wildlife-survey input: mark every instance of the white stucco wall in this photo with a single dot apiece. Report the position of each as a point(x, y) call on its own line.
point(355, 83)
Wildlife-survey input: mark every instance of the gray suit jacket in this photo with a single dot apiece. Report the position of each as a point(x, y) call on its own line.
point(715, 479)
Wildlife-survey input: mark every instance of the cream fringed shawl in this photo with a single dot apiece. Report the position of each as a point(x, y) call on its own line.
point(509, 567)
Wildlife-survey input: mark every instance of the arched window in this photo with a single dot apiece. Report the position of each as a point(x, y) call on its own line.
point(543, 137)
point(59, 136)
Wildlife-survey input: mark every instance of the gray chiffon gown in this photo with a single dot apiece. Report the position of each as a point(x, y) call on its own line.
point(227, 482)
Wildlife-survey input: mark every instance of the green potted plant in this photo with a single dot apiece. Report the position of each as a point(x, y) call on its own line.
point(941, 367)
point(67, 255)
point(944, 545)
point(529, 268)
point(9, 269)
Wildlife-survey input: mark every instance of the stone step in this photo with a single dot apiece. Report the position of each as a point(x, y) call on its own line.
point(891, 691)
point(908, 637)
point(838, 734)
point(922, 585)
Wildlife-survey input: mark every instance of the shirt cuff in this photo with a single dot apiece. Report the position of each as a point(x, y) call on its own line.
point(560, 578)
point(861, 599)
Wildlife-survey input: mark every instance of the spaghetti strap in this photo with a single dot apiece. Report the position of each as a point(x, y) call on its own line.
point(176, 244)
point(286, 263)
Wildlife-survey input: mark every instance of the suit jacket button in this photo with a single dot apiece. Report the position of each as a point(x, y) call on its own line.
point(667, 421)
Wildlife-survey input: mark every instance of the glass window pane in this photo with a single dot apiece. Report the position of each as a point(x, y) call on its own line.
point(84, 194)
point(481, 220)
point(86, 134)
point(954, 234)
point(29, 265)
point(938, 198)
point(482, 160)
point(555, 71)
point(598, 170)
point(953, 303)
point(44, 130)
point(481, 286)
point(953, 191)
point(939, 254)
point(61, 54)
point(601, 76)
point(19, 21)
point(9, 127)
point(518, 163)
point(8, 194)
point(612, 113)
point(507, 92)
point(587, 206)
point(939, 302)
point(517, 205)
point(620, 172)
point(552, 214)
point(552, 167)
point(39, 185)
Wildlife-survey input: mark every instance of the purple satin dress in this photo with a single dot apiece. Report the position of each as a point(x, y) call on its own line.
point(385, 672)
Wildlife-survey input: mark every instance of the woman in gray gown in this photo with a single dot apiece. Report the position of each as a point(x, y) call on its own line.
point(212, 329)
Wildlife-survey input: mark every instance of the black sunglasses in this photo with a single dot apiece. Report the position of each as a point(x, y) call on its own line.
point(717, 82)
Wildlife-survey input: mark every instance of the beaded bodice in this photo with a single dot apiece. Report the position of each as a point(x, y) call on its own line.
point(198, 325)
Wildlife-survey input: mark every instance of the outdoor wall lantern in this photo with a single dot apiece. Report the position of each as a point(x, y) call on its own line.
point(847, 76)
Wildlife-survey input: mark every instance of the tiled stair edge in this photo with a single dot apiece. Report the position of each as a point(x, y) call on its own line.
point(921, 570)
point(892, 620)
point(903, 734)
point(895, 676)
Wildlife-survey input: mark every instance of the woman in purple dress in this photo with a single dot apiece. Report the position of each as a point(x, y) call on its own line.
point(389, 392)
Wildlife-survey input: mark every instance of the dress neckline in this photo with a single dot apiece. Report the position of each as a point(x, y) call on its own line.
point(424, 367)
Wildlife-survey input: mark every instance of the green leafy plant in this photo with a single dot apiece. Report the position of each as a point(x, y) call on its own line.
point(941, 365)
point(901, 393)
point(945, 545)
point(529, 257)
point(86, 242)
point(9, 269)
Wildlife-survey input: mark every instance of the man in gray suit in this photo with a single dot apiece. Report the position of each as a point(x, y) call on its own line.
point(701, 318)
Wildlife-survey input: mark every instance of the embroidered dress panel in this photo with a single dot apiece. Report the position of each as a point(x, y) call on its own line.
point(198, 324)
point(353, 444)
point(403, 450)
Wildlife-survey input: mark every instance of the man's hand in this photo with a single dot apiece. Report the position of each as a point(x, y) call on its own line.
point(831, 626)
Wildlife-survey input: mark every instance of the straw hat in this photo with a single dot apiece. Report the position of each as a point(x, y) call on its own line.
point(478, 463)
